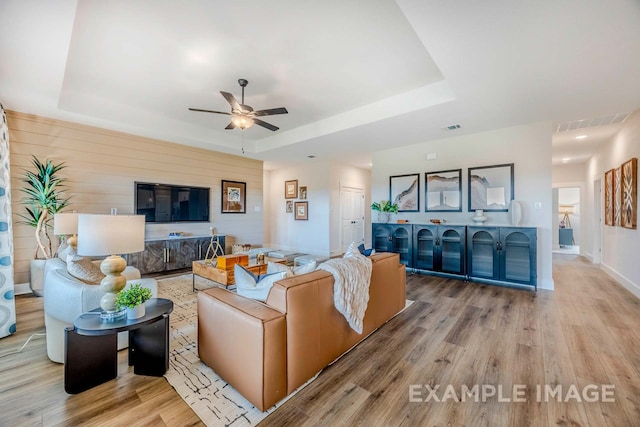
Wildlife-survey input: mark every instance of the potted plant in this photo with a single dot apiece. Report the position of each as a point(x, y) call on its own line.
point(132, 299)
point(44, 197)
point(385, 208)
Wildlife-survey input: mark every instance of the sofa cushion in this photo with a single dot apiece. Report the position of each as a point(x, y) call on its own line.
point(84, 270)
point(366, 252)
point(252, 286)
point(276, 267)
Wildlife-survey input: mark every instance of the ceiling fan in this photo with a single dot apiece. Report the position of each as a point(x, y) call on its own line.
point(242, 115)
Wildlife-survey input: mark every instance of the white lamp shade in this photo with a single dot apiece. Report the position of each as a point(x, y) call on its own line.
point(110, 234)
point(65, 223)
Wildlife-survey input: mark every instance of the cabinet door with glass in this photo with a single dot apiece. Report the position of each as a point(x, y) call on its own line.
point(424, 246)
point(518, 255)
point(451, 249)
point(483, 259)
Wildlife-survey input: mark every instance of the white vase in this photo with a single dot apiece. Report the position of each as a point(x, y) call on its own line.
point(384, 217)
point(36, 276)
point(136, 312)
point(479, 216)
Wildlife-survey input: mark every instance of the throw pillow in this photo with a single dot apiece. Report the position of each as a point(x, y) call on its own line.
point(366, 252)
point(351, 250)
point(64, 250)
point(84, 270)
point(256, 287)
point(276, 267)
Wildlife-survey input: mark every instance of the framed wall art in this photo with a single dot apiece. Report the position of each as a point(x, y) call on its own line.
point(608, 197)
point(289, 206)
point(629, 213)
point(617, 196)
point(443, 191)
point(234, 197)
point(491, 188)
point(303, 193)
point(291, 189)
point(301, 210)
point(405, 191)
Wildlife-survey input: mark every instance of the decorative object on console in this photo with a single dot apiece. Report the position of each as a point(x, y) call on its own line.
point(66, 224)
point(301, 210)
point(404, 190)
point(443, 191)
point(608, 197)
point(385, 209)
point(291, 189)
point(111, 235)
point(132, 300)
point(234, 197)
point(629, 193)
point(491, 188)
point(565, 210)
point(515, 212)
point(437, 221)
point(479, 216)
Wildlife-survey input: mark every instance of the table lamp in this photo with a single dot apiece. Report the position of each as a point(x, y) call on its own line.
point(67, 224)
point(111, 235)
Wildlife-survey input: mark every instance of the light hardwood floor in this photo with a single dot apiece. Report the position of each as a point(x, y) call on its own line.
point(455, 334)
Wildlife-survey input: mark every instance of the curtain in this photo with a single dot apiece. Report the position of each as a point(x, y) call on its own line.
point(7, 299)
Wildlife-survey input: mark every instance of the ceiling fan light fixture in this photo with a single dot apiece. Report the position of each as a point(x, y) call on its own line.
point(241, 122)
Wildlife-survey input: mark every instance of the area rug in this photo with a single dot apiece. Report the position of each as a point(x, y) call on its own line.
point(211, 398)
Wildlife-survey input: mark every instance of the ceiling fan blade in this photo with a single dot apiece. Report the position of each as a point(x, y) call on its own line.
point(265, 124)
point(230, 126)
point(270, 112)
point(209, 111)
point(231, 100)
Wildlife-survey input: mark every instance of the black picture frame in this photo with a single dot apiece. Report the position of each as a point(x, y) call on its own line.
point(491, 188)
point(405, 191)
point(443, 191)
point(233, 197)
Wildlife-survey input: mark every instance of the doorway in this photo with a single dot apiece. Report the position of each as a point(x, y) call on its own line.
point(352, 216)
point(567, 221)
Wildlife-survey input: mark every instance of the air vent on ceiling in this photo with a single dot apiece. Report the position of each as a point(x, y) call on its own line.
point(311, 156)
point(589, 123)
point(451, 127)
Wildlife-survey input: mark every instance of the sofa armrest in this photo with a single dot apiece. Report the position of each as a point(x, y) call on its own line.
point(244, 341)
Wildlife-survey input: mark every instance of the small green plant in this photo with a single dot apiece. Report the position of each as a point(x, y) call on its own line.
point(132, 296)
point(385, 206)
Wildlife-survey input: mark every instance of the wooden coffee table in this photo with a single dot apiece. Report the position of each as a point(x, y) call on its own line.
point(224, 277)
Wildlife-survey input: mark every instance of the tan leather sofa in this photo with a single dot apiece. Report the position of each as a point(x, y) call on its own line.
point(267, 350)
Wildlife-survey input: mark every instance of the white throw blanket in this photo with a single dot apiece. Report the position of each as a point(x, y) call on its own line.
point(351, 276)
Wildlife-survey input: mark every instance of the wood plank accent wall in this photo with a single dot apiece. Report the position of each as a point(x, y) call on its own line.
point(102, 166)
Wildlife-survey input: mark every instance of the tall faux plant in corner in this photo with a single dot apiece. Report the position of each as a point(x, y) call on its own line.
point(44, 197)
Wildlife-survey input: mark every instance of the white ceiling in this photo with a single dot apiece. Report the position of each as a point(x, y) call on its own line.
point(355, 76)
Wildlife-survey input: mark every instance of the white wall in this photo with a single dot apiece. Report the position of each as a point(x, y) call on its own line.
point(528, 147)
point(620, 246)
point(320, 235)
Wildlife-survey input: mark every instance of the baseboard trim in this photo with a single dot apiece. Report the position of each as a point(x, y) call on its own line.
point(21, 289)
point(626, 283)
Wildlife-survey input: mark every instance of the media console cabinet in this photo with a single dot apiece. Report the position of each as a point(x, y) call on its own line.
point(499, 255)
point(172, 253)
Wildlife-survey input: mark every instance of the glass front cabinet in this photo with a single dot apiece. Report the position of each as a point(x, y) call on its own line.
point(502, 254)
point(439, 248)
point(394, 238)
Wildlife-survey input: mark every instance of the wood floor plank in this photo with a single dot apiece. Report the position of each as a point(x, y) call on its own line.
point(456, 333)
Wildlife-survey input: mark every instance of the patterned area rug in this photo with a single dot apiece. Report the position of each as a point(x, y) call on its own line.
point(210, 397)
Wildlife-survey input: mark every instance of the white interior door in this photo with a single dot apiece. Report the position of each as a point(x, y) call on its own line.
point(352, 208)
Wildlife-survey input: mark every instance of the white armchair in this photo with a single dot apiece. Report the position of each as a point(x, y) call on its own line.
point(66, 297)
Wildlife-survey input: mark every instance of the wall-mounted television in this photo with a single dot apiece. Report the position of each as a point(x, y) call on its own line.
point(171, 203)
